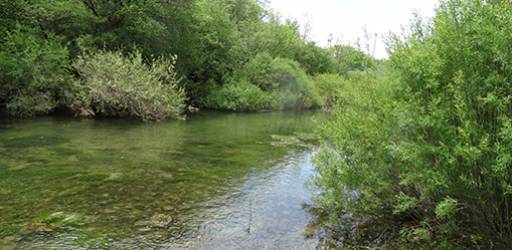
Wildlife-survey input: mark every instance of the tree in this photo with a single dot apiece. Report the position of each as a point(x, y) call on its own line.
point(34, 72)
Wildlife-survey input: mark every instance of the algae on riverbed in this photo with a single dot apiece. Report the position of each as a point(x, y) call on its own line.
point(95, 183)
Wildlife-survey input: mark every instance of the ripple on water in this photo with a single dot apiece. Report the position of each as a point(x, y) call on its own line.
point(218, 181)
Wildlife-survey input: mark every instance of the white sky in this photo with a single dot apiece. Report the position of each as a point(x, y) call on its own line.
point(346, 19)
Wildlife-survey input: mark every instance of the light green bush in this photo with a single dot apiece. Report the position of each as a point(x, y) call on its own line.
point(267, 84)
point(257, 71)
point(421, 154)
point(117, 85)
point(347, 59)
point(329, 88)
point(240, 96)
point(293, 85)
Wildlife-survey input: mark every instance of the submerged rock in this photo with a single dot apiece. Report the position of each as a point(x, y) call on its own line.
point(7, 243)
point(114, 176)
point(39, 228)
point(166, 208)
point(156, 221)
point(160, 220)
point(307, 137)
point(141, 223)
point(285, 141)
point(5, 191)
point(108, 211)
point(19, 167)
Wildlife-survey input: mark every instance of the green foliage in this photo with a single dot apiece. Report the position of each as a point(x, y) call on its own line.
point(426, 144)
point(117, 85)
point(11, 14)
point(220, 39)
point(106, 24)
point(214, 41)
point(293, 86)
point(240, 96)
point(348, 59)
point(446, 208)
point(34, 73)
point(317, 60)
point(276, 38)
point(269, 84)
point(257, 71)
point(352, 157)
point(329, 87)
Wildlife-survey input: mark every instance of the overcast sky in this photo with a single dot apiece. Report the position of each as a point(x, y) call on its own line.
point(348, 18)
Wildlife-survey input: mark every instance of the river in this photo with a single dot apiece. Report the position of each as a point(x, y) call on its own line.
point(214, 181)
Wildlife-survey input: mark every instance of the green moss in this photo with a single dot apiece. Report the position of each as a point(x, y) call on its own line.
point(32, 141)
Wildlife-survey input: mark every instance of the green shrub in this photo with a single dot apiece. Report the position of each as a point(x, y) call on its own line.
point(292, 84)
point(257, 70)
point(422, 153)
point(266, 84)
point(347, 59)
point(285, 80)
point(34, 73)
point(117, 85)
point(329, 87)
point(239, 96)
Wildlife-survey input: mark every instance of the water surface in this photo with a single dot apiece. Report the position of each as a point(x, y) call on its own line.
point(214, 181)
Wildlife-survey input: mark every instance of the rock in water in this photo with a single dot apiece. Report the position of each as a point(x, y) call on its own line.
point(160, 220)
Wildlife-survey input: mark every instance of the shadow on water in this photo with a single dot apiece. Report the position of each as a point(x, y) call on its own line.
point(214, 181)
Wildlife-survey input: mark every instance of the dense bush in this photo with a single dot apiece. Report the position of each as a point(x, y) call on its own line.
point(268, 84)
point(318, 60)
point(257, 70)
point(240, 96)
point(420, 156)
point(329, 88)
point(347, 59)
point(293, 86)
point(34, 74)
point(354, 159)
point(117, 85)
point(216, 41)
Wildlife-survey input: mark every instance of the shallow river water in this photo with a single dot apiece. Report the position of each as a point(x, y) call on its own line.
point(214, 181)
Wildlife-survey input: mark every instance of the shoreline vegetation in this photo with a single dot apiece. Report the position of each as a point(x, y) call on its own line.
point(417, 152)
point(153, 60)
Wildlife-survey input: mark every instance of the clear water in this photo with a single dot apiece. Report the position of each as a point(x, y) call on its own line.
point(214, 181)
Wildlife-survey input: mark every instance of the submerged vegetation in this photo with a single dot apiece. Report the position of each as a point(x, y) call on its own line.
point(418, 154)
point(123, 184)
point(150, 59)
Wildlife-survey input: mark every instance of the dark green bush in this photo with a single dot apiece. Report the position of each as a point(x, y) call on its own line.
point(34, 74)
point(116, 85)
